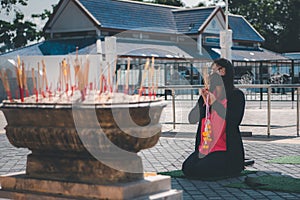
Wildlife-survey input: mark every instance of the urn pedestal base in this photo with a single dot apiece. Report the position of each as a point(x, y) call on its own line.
point(20, 186)
point(84, 168)
point(84, 151)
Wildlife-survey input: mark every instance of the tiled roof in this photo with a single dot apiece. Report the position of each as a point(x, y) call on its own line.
point(88, 46)
point(188, 21)
point(129, 15)
point(251, 54)
point(53, 47)
point(242, 30)
point(141, 48)
point(293, 55)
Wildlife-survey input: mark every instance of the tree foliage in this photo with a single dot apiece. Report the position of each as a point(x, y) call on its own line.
point(277, 21)
point(9, 5)
point(18, 32)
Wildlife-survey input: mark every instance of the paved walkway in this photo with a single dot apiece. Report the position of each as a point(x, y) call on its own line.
point(176, 144)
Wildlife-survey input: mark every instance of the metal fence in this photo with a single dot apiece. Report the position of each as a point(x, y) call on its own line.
point(190, 73)
point(268, 87)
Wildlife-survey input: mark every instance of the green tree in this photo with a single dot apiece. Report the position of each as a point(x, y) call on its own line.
point(277, 21)
point(201, 4)
point(289, 38)
point(9, 5)
point(44, 16)
point(19, 32)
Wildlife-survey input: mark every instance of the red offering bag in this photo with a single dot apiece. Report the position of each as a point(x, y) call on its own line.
point(213, 135)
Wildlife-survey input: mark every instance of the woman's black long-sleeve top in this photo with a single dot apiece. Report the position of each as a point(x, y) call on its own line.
point(233, 116)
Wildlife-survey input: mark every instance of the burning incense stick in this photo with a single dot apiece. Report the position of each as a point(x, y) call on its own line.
point(34, 86)
point(81, 85)
point(69, 75)
point(144, 77)
point(108, 77)
point(65, 75)
point(156, 82)
point(205, 77)
point(83, 79)
point(59, 82)
point(39, 79)
point(101, 79)
point(24, 79)
point(45, 77)
point(151, 92)
point(5, 82)
point(20, 79)
point(76, 69)
point(86, 72)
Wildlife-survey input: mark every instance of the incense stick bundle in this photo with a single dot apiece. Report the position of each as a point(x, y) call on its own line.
point(5, 83)
point(34, 86)
point(20, 79)
point(59, 83)
point(101, 79)
point(24, 80)
point(76, 67)
point(65, 75)
point(156, 81)
point(152, 78)
point(39, 79)
point(108, 77)
point(69, 75)
point(81, 85)
point(44, 79)
point(86, 72)
point(144, 76)
point(83, 79)
point(205, 77)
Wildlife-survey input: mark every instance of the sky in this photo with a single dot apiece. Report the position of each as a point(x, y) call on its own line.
point(40, 5)
point(190, 3)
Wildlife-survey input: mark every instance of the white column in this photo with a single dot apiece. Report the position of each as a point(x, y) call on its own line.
point(226, 37)
point(199, 44)
point(98, 44)
point(110, 55)
point(226, 44)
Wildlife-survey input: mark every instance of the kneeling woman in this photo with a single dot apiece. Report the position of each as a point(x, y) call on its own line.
point(218, 148)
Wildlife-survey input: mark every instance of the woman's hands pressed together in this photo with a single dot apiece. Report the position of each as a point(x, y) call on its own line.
point(211, 97)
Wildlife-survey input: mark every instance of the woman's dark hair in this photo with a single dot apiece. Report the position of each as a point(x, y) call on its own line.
point(229, 74)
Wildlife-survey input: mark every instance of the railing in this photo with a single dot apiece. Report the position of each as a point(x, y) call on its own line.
point(268, 87)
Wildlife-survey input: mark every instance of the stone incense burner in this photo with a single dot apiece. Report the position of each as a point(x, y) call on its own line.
point(88, 143)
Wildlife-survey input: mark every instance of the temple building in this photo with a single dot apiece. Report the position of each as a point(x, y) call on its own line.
point(180, 39)
point(144, 29)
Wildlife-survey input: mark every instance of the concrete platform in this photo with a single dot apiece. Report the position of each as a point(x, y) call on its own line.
point(19, 186)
